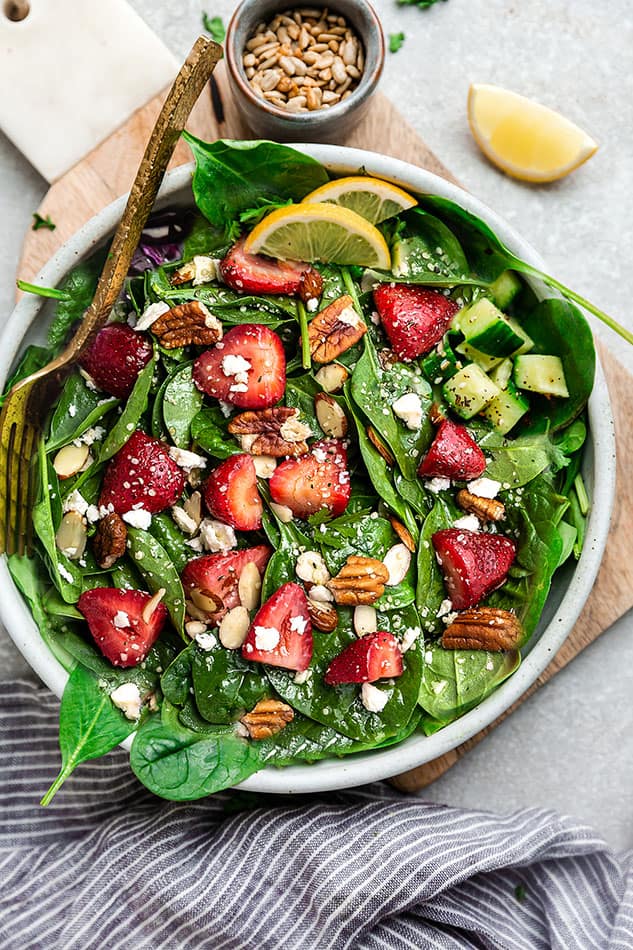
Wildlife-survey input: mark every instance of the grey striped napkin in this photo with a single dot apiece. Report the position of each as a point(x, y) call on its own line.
point(109, 866)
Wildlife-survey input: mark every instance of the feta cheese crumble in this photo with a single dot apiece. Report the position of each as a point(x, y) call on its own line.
point(127, 698)
point(186, 459)
point(467, 523)
point(217, 536)
point(408, 408)
point(484, 487)
point(121, 620)
point(266, 638)
point(372, 698)
point(151, 314)
point(138, 518)
point(437, 484)
point(206, 641)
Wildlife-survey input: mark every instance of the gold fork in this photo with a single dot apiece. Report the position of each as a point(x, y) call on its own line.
point(27, 405)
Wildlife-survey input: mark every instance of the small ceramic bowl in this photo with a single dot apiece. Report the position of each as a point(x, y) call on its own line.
point(322, 125)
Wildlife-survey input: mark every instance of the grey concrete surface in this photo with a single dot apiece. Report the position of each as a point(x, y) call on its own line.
point(571, 746)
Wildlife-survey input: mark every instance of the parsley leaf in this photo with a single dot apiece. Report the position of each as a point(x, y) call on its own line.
point(422, 4)
point(40, 222)
point(214, 27)
point(395, 42)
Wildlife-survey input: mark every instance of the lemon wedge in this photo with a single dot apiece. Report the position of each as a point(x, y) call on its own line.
point(371, 198)
point(319, 232)
point(524, 138)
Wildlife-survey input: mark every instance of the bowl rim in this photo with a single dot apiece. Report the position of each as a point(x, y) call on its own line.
point(332, 774)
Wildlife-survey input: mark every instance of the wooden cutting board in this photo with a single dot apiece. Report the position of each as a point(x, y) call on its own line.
point(108, 171)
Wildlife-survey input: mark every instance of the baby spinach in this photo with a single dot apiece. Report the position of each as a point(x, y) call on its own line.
point(182, 401)
point(225, 685)
point(455, 681)
point(176, 681)
point(159, 571)
point(427, 251)
point(80, 285)
point(232, 176)
point(89, 725)
point(34, 358)
point(281, 567)
point(79, 408)
point(171, 538)
point(571, 439)
point(300, 393)
point(208, 430)
point(362, 533)
point(47, 515)
point(515, 462)
point(129, 419)
point(430, 589)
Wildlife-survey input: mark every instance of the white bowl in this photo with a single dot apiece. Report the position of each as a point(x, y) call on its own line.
point(571, 585)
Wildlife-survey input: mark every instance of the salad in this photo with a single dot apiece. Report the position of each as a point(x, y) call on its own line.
point(305, 493)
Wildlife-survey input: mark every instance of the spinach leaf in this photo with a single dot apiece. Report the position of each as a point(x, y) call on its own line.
point(129, 419)
point(281, 567)
point(34, 358)
point(171, 538)
point(159, 571)
point(455, 681)
point(374, 390)
point(225, 685)
point(430, 590)
point(559, 328)
point(80, 285)
point(300, 393)
point(89, 725)
point(181, 765)
point(176, 682)
point(47, 515)
point(233, 176)
point(571, 439)
point(208, 430)
point(79, 408)
point(359, 533)
point(203, 238)
point(182, 401)
point(515, 462)
point(427, 251)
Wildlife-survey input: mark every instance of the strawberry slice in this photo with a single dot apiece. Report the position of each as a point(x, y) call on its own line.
point(474, 563)
point(116, 357)
point(314, 482)
point(281, 633)
point(414, 318)
point(372, 657)
point(256, 274)
point(247, 369)
point(217, 576)
point(116, 622)
point(453, 454)
point(142, 475)
point(231, 495)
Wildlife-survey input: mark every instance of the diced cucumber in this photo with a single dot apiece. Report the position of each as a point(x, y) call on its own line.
point(528, 342)
point(469, 391)
point(541, 374)
point(488, 330)
point(505, 410)
point(476, 356)
point(502, 373)
point(505, 288)
point(441, 363)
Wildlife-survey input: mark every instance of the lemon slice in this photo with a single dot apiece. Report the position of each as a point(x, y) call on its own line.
point(319, 232)
point(371, 198)
point(523, 138)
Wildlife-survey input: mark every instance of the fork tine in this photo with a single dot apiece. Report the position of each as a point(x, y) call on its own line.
point(11, 485)
point(25, 485)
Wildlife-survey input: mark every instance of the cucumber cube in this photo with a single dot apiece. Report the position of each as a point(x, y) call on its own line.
point(475, 356)
point(505, 288)
point(541, 374)
point(469, 391)
point(505, 410)
point(502, 373)
point(489, 330)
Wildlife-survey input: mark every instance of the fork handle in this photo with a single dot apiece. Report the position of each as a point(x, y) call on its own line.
point(188, 84)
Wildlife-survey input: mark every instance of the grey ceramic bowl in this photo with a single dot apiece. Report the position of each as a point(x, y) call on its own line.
point(571, 586)
point(322, 125)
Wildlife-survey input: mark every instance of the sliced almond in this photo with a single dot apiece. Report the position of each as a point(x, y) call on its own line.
point(380, 446)
point(234, 627)
point(265, 465)
point(193, 506)
point(194, 627)
point(330, 416)
point(71, 536)
point(397, 561)
point(203, 601)
point(365, 620)
point(283, 512)
point(151, 605)
point(70, 460)
point(249, 587)
point(332, 377)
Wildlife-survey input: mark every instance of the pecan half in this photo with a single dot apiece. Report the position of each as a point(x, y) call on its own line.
point(183, 275)
point(109, 540)
point(436, 415)
point(323, 616)
point(361, 580)
point(334, 330)
point(187, 323)
point(486, 509)
point(267, 718)
point(277, 431)
point(483, 628)
point(380, 446)
point(311, 285)
point(403, 533)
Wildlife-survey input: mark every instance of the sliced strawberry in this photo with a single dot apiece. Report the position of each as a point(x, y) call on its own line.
point(142, 475)
point(414, 318)
point(256, 274)
point(372, 657)
point(247, 369)
point(116, 357)
point(231, 495)
point(115, 619)
point(314, 482)
point(474, 563)
point(217, 576)
point(281, 633)
point(453, 454)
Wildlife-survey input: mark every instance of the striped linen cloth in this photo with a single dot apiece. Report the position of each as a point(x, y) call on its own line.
point(110, 866)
